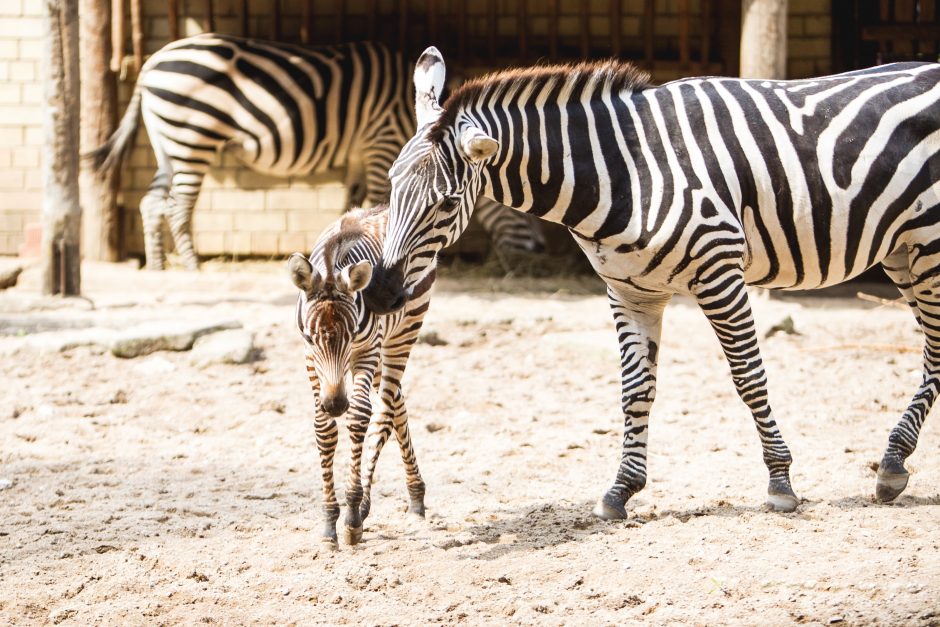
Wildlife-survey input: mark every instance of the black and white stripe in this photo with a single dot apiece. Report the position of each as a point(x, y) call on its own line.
point(282, 110)
point(344, 339)
point(696, 187)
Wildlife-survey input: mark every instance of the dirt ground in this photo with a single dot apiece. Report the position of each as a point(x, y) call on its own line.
point(150, 491)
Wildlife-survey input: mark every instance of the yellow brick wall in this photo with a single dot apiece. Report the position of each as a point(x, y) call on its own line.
point(240, 212)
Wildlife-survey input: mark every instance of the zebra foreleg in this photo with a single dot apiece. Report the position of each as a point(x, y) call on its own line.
point(326, 434)
point(638, 321)
point(413, 478)
point(357, 423)
point(922, 295)
point(724, 301)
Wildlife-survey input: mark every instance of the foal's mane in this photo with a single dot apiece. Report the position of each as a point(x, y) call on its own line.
point(610, 74)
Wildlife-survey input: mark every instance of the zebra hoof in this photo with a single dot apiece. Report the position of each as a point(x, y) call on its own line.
point(353, 535)
point(608, 508)
point(890, 485)
point(784, 503)
point(416, 510)
point(330, 543)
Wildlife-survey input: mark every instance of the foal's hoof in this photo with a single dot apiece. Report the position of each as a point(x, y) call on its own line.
point(416, 510)
point(608, 508)
point(353, 535)
point(890, 485)
point(329, 543)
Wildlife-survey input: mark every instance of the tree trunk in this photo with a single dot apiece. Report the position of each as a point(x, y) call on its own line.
point(100, 234)
point(61, 213)
point(764, 39)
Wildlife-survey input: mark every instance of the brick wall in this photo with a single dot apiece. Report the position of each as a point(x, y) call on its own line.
point(243, 213)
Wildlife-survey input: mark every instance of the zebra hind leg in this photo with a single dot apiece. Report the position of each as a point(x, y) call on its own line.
point(924, 297)
point(152, 209)
point(724, 301)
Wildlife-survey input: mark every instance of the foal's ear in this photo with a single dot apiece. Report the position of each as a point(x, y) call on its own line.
point(477, 145)
point(429, 83)
point(302, 274)
point(355, 277)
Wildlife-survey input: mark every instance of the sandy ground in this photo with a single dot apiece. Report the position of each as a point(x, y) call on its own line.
point(149, 491)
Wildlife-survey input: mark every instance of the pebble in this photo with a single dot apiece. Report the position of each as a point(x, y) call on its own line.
point(6, 484)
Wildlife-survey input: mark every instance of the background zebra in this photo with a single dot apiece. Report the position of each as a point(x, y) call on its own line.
point(282, 110)
point(697, 187)
point(342, 337)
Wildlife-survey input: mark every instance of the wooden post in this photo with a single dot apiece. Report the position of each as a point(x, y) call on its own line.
point(208, 23)
point(764, 39)
point(244, 17)
point(137, 34)
point(616, 27)
point(61, 212)
point(275, 19)
point(649, 27)
point(117, 35)
point(101, 237)
point(173, 19)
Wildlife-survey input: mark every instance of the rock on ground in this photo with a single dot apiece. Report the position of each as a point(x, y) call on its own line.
point(163, 336)
point(227, 347)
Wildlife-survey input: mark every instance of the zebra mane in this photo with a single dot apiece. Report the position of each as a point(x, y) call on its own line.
point(611, 74)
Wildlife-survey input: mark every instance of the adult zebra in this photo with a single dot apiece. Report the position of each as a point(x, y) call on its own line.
point(697, 187)
point(284, 111)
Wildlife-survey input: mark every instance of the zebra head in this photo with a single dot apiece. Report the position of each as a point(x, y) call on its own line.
point(328, 317)
point(435, 183)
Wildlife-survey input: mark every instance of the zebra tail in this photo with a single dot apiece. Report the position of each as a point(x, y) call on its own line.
point(112, 153)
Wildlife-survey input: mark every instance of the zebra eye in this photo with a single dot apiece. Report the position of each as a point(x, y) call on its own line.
point(450, 203)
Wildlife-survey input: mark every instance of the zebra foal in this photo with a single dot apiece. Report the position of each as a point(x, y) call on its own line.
point(342, 337)
point(698, 187)
point(282, 110)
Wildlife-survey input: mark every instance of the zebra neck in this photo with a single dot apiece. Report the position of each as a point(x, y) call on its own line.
point(569, 162)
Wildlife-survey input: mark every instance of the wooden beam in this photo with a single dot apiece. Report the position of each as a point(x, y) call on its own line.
point(553, 29)
point(306, 22)
point(275, 19)
point(117, 35)
point(585, 29)
point(462, 31)
point(616, 27)
point(60, 265)
point(491, 17)
point(705, 52)
point(403, 26)
point(373, 18)
point(208, 21)
point(522, 28)
point(101, 237)
point(684, 33)
point(173, 19)
point(137, 34)
point(764, 39)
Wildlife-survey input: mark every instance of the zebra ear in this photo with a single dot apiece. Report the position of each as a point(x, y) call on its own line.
point(477, 145)
point(429, 83)
point(302, 274)
point(355, 277)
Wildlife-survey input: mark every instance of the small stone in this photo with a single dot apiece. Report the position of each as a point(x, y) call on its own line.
point(6, 484)
point(9, 276)
point(432, 338)
point(433, 427)
point(836, 619)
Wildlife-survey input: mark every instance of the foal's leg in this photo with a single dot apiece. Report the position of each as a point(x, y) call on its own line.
point(922, 292)
point(723, 298)
point(638, 320)
point(326, 433)
point(357, 422)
